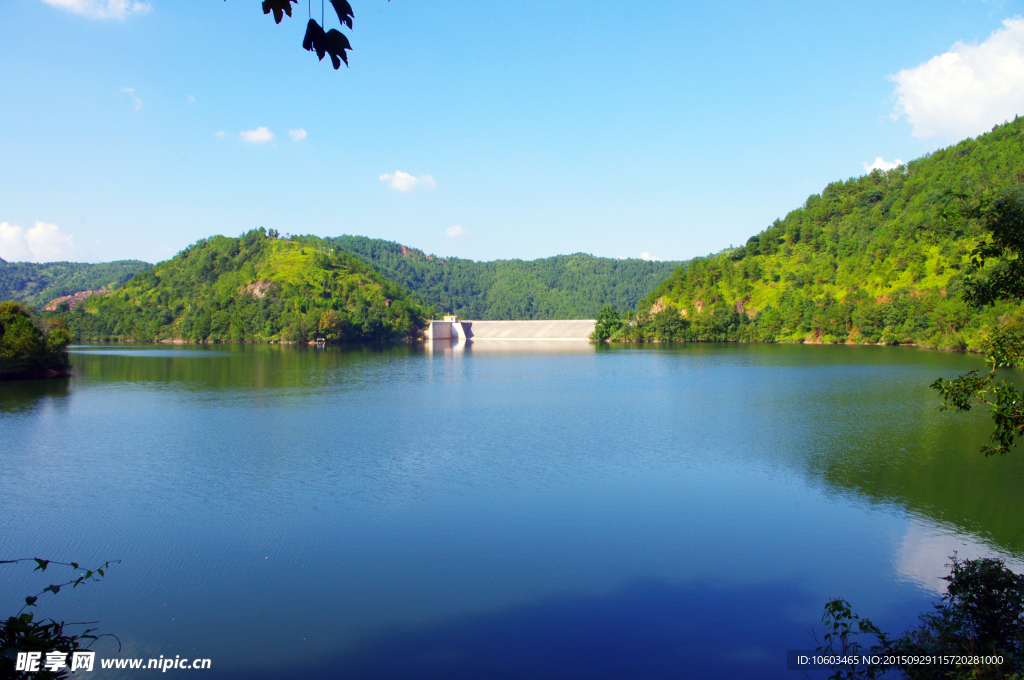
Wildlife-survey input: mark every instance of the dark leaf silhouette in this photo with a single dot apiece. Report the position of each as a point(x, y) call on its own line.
point(337, 43)
point(333, 42)
point(278, 7)
point(314, 39)
point(344, 11)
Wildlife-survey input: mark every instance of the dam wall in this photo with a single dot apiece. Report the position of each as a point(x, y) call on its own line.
point(481, 331)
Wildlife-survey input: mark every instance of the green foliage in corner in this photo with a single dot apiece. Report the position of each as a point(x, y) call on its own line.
point(976, 632)
point(996, 274)
point(24, 634)
point(30, 348)
point(255, 288)
point(868, 260)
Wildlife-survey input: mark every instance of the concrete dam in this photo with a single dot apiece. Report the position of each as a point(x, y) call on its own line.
point(576, 330)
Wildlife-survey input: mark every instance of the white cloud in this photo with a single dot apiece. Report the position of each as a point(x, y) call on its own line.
point(882, 164)
point(967, 90)
point(130, 91)
point(922, 556)
point(48, 244)
point(221, 134)
point(103, 9)
point(402, 181)
point(650, 258)
point(260, 135)
point(297, 135)
point(41, 243)
point(456, 231)
point(12, 243)
point(191, 99)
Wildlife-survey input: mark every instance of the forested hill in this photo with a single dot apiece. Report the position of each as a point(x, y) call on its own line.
point(252, 288)
point(38, 283)
point(867, 260)
point(561, 287)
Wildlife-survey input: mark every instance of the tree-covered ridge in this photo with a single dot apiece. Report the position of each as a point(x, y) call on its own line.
point(561, 287)
point(30, 348)
point(255, 288)
point(38, 283)
point(872, 259)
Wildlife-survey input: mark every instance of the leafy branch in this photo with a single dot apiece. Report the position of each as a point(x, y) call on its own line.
point(316, 39)
point(41, 565)
point(996, 272)
point(1003, 219)
point(23, 633)
point(981, 614)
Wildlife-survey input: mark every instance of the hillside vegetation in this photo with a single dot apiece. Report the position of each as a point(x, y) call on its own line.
point(868, 260)
point(254, 288)
point(29, 347)
point(561, 287)
point(38, 283)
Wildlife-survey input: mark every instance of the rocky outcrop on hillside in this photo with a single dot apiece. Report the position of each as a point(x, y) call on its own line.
point(74, 300)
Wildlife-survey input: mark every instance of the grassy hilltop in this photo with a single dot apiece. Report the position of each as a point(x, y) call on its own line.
point(867, 260)
point(255, 288)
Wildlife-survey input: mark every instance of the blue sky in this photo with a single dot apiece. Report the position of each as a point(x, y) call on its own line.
point(478, 129)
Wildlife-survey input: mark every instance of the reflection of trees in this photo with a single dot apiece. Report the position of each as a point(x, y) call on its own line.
point(840, 415)
point(223, 368)
point(917, 461)
point(23, 395)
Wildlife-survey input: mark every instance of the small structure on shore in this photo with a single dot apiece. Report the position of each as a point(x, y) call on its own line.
point(575, 330)
point(449, 329)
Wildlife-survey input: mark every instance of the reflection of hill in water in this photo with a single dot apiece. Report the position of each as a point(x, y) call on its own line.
point(18, 396)
point(945, 480)
point(890, 444)
point(860, 419)
point(864, 421)
point(230, 368)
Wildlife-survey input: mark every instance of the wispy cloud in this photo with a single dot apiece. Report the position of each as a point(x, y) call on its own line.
point(130, 91)
point(882, 164)
point(103, 9)
point(456, 231)
point(41, 243)
point(297, 135)
point(403, 181)
point(967, 90)
point(260, 135)
point(191, 99)
point(650, 258)
point(221, 134)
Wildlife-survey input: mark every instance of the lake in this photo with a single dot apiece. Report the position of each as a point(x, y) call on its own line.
point(497, 511)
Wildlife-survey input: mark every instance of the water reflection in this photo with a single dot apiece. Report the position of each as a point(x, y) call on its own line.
point(524, 347)
point(19, 396)
point(925, 549)
point(641, 630)
point(455, 510)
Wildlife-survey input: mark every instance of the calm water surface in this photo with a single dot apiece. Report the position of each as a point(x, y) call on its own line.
point(497, 512)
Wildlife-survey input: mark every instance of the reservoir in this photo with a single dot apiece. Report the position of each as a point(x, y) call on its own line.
point(494, 510)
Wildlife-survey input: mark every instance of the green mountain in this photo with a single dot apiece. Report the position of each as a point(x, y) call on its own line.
point(561, 287)
point(871, 259)
point(38, 283)
point(252, 288)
